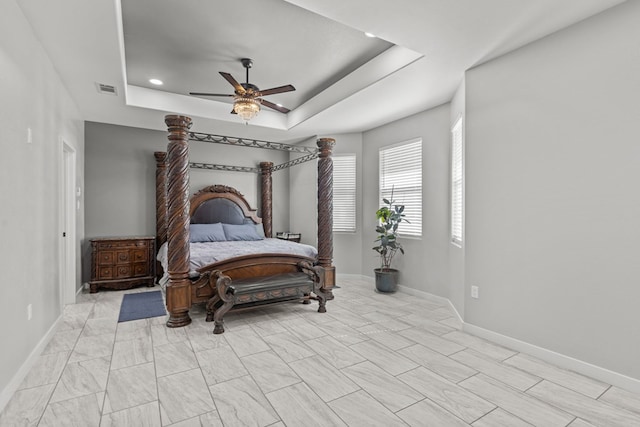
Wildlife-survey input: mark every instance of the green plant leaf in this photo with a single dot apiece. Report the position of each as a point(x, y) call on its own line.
point(389, 217)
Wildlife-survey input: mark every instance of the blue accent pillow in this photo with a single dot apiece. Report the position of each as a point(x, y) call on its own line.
point(241, 232)
point(206, 233)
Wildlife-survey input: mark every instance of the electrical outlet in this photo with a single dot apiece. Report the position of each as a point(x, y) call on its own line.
point(474, 292)
point(29, 312)
point(29, 136)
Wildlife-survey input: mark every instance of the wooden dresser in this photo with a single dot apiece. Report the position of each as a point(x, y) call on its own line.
point(122, 262)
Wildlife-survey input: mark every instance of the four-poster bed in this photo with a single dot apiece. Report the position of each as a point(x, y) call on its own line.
point(271, 275)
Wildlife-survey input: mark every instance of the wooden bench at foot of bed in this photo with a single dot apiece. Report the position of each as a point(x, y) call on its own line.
point(253, 291)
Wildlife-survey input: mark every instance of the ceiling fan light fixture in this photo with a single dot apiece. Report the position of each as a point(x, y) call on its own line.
point(246, 108)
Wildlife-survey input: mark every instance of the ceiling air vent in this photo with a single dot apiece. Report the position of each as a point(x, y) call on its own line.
point(106, 89)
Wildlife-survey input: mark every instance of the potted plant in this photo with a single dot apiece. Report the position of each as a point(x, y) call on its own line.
point(389, 218)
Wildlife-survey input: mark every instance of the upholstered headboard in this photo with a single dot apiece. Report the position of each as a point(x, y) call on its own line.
point(220, 203)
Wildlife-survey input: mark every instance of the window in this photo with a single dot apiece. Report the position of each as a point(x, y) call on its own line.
point(456, 183)
point(401, 172)
point(344, 193)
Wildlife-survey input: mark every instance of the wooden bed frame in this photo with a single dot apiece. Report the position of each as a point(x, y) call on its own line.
point(175, 210)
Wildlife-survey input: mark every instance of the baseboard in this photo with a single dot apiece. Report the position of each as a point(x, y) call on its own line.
point(20, 375)
point(566, 362)
point(429, 296)
point(414, 292)
point(350, 276)
point(560, 360)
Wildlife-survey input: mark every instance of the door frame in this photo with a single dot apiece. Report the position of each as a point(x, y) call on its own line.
point(67, 235)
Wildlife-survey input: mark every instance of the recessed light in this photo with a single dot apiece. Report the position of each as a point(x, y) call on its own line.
point(369, 35)
point(155, 82)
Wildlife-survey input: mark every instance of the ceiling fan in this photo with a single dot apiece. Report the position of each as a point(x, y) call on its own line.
point(248, 97)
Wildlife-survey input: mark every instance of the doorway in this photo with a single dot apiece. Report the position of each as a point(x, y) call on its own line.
point(68, 208)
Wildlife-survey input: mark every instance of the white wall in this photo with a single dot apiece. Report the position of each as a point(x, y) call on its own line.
point(121, 174)
point(552, 168)
point(456, 254)
point(30, 221)
point(303, 184)
point(425, 265)
point(347, 247)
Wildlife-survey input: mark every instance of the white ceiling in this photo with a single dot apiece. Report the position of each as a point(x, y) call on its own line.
point(345, 82)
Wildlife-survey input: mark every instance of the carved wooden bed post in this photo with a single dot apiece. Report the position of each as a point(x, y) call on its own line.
point(179, 286)
point(325, 214)
point(161, 198)
point(266, 204)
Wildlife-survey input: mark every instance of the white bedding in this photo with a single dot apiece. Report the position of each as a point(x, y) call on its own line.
point(209, 252)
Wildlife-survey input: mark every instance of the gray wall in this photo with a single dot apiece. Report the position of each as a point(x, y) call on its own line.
point(303, 184)
point(30, 181)
point(347, 247)
point(552, 154)
point(425, 265)
point(120, 182)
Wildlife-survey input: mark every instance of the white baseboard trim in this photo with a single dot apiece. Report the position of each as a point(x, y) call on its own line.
point(414, 292)
point(429, 296)
point(351, 276)
point(566, 362)
point(20, 375)
point(370, 279)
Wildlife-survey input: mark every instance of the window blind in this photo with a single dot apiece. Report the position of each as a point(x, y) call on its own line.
point(456, 183)
point(401, 172)
point(344, 193)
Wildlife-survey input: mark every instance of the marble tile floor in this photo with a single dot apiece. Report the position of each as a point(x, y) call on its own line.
point(371, 360)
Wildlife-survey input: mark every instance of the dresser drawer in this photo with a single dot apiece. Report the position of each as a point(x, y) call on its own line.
point(123, 271)
point(139, 255)
point(105, 273)
point(141, 269)
point(123, 257)
point(106, 258)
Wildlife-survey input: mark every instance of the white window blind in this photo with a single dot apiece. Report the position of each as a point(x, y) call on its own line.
point(344, 193)
point(456, 183)
point(401, 172)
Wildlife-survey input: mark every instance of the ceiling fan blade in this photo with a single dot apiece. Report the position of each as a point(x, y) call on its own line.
point(274, 106)
point(237, 86)
point(273, 90)
point(208, 94)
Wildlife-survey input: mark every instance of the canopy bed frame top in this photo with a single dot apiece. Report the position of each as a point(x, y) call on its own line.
point(175, 210)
